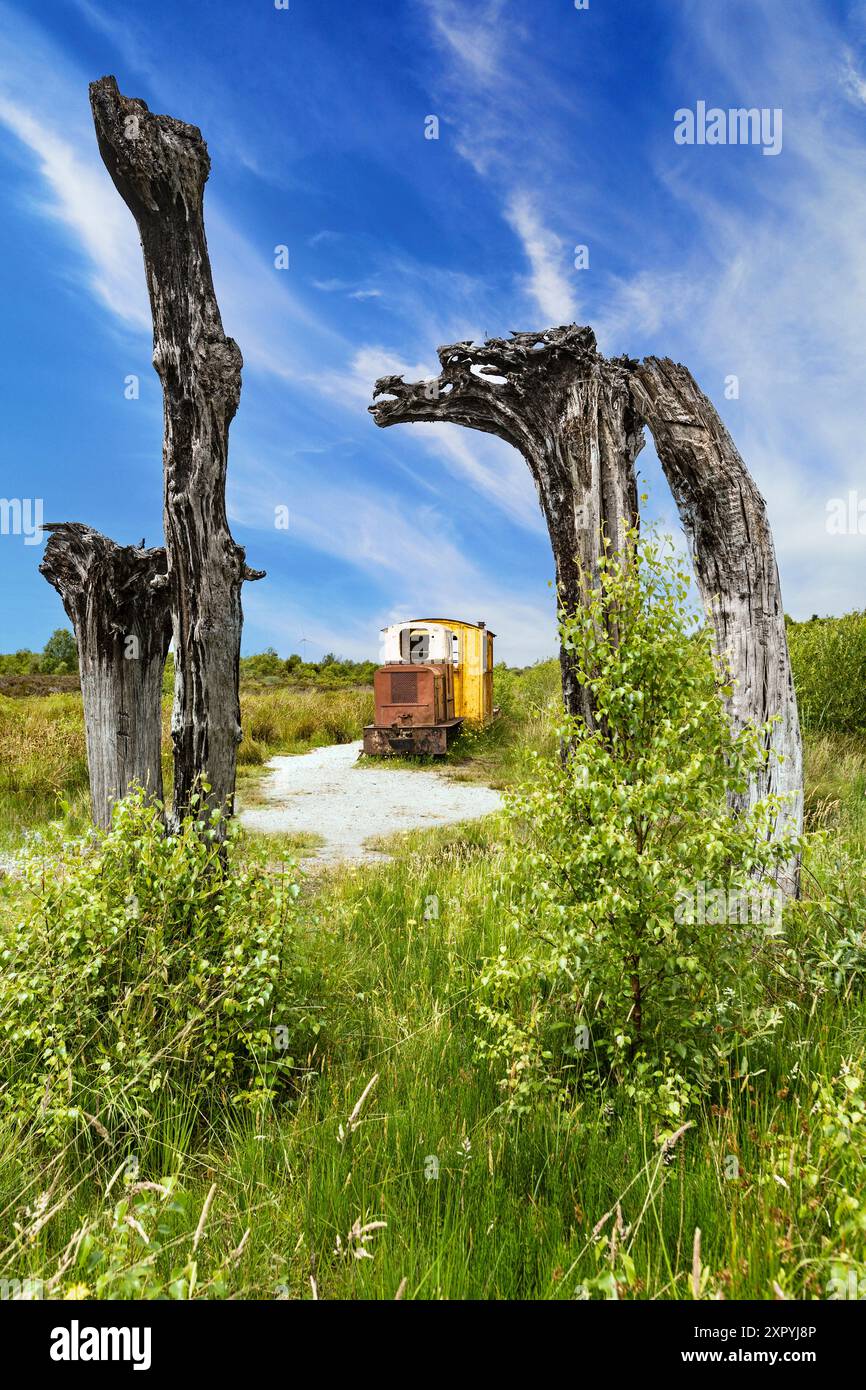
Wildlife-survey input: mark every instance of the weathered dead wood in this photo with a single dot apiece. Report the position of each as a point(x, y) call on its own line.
point(160, 166)
point(577, 419)
point(725, 519)
point(568, 410)
point(116, 598)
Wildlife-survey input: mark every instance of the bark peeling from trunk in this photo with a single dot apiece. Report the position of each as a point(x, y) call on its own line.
point(569, 412)
point(116, 598)
point(159, 166)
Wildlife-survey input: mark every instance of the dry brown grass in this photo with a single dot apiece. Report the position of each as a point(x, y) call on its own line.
point(38, 684)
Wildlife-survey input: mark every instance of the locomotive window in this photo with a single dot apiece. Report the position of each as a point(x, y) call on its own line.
point(419, 646)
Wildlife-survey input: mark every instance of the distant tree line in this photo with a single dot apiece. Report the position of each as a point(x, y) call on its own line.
point(59, 657)
point(828, 658)
point(332, 671)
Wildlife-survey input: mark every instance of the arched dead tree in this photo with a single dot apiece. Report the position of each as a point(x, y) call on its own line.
point(116, 598)
point(569, 412)
point(725, 520)
point(160, 166)
point(577, 419)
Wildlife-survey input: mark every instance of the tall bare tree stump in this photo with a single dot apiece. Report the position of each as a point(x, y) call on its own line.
point(160, 166)
point(569, 412)
point(725, 520)
point(116, 598)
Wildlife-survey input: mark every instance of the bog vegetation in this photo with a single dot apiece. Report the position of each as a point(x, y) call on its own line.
point(221, 1076)
point(615, 974)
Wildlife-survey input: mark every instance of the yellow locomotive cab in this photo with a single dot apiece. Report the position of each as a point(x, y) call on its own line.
point(473, 666)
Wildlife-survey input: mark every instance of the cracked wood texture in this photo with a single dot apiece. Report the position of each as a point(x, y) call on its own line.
point(725, 519)
point(160, 166)
point(569, 412)
point(117, 600)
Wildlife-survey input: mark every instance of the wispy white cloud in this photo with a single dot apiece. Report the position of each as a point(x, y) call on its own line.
point(474, 37)
point(490, 466)
point(79, 199)
point(772, 289)
point(75, 192)
point(354, 379)
point(736, 269)
point(494, 469)
point(549, 284)
point(351, 291)
point(852, 79)
point(490, 86)
point(279, 334)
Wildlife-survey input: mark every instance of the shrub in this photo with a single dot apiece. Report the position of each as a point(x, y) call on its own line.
point(141, 968)
point(617, 970)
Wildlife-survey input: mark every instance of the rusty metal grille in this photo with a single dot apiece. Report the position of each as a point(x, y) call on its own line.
point(404, 688)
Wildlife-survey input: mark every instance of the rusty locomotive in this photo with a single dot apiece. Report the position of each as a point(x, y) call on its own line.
point(436, 673)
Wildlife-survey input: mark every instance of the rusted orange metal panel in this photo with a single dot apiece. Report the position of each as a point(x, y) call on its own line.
point(414, 707)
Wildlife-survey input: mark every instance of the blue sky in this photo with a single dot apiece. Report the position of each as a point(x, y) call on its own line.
point(556, 129)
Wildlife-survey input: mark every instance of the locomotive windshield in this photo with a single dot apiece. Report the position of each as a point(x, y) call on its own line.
point(418, 646)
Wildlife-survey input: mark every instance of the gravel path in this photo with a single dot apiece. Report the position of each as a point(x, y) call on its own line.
point(326, 793)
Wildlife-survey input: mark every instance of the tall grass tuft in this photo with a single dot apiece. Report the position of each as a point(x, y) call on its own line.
point(289, 721)
point(828, 658)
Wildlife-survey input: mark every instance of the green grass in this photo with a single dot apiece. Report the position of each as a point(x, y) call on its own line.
point(42, 761)
point(828, 659)
point(513, 1210)
point(287, 721)
point(283, 847)
point(835, 785)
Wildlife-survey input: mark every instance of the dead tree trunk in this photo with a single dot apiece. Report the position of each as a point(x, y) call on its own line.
point(117, 600)
point(568, 410)
point(577, 419)
point(160, 166)
point(725, 520)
